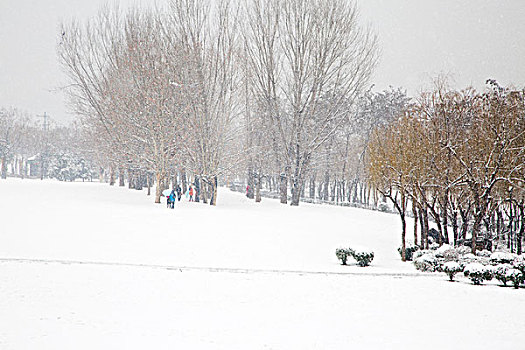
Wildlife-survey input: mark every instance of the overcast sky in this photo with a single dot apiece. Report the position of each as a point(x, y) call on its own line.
point(470, 40)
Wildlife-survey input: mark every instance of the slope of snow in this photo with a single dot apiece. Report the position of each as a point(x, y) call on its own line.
point(87, 266)
point(95, 222)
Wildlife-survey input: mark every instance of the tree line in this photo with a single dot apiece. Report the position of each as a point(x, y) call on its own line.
point(204, 91)
point(458, 158)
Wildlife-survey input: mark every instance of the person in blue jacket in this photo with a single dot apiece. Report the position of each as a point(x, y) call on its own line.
point(171, 198)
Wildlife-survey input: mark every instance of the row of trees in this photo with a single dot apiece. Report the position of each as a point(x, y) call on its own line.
point(457, 157)
point(208, 89)
point(39, 148)
point(30, 147)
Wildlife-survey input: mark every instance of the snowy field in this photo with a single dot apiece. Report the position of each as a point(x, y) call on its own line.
point(89, 266)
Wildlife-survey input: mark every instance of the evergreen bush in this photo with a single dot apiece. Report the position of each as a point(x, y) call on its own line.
point(519, 263)
point(342, 254)
point(515, 276)
point(363, 257)
point(502, 258)
point(500, 272)
point(451, 268)
point(478, 273)
point(427, 263)
point(409, 252)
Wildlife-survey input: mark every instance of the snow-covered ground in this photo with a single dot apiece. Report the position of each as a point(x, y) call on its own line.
point(89, 266)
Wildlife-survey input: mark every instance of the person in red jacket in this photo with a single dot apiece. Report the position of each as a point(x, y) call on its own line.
point(191, 193)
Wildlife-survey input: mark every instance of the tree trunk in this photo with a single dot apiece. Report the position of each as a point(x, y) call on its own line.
point(4, 168)
point(444, 214)
point(464, 222)
point(139, 180)
point(326, 186)
point(121, 177)
point(414, 213)
point(258, 189)
point(424, 233)
point(422, 226)
point(519, 237)
point(203, 191)
point(296, 193)
point(250, 187)
point(158, 190)
point(455, 226)
point(312, 187)
point(148, 182)
point(111, 176)
point(213, 198)
point(197, 189)
point(283, 188)
point(184, 180)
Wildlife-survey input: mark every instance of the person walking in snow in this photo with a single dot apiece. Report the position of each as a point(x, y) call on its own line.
point(168, 202)
point(179, 193)
point(171, 198)
point(191, 193)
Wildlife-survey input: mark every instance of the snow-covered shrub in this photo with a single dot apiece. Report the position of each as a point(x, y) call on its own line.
point(516, 277)
point(342, 254)
point(409, 252)
point(478, 273)
point(519, 263)
point(488, 274)
point(427, 263)
point(502, 257)
point(383, 206)
point(484, 253)
point(500, 272)
point(433, 246)
point(463, 250)
point(418, 254)
point(447, 253)
point(451, 268)
point(363, 256)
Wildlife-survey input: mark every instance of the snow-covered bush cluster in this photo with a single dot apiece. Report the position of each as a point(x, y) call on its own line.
point(503, 266)
point(342, 254)
point(69, 167)
point(478, 272)
point(409, 252)
point(363, 257)
point(451, 268)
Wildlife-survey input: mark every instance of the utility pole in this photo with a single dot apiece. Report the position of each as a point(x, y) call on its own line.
point(46, 125)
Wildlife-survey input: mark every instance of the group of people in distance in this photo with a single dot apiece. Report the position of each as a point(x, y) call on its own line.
point(176, 194)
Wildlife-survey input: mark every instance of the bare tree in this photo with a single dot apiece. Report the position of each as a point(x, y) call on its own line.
point(302, 51)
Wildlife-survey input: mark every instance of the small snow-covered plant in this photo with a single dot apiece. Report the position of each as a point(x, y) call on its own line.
point(468, 259)
point(500, 272)
point(502, 258)
point(477, 273)
point(488, 274)
point(409, 252)
point(342, 254)
point(515, 276)
point(484, 253)
point(426, 263)
point(363, 256)
point(447, 253)
point(419, 254)
point(451, 268)
point(519, 263)
point(433, 246)
point(441, 250)
point(383, 206)
point(463, 250)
